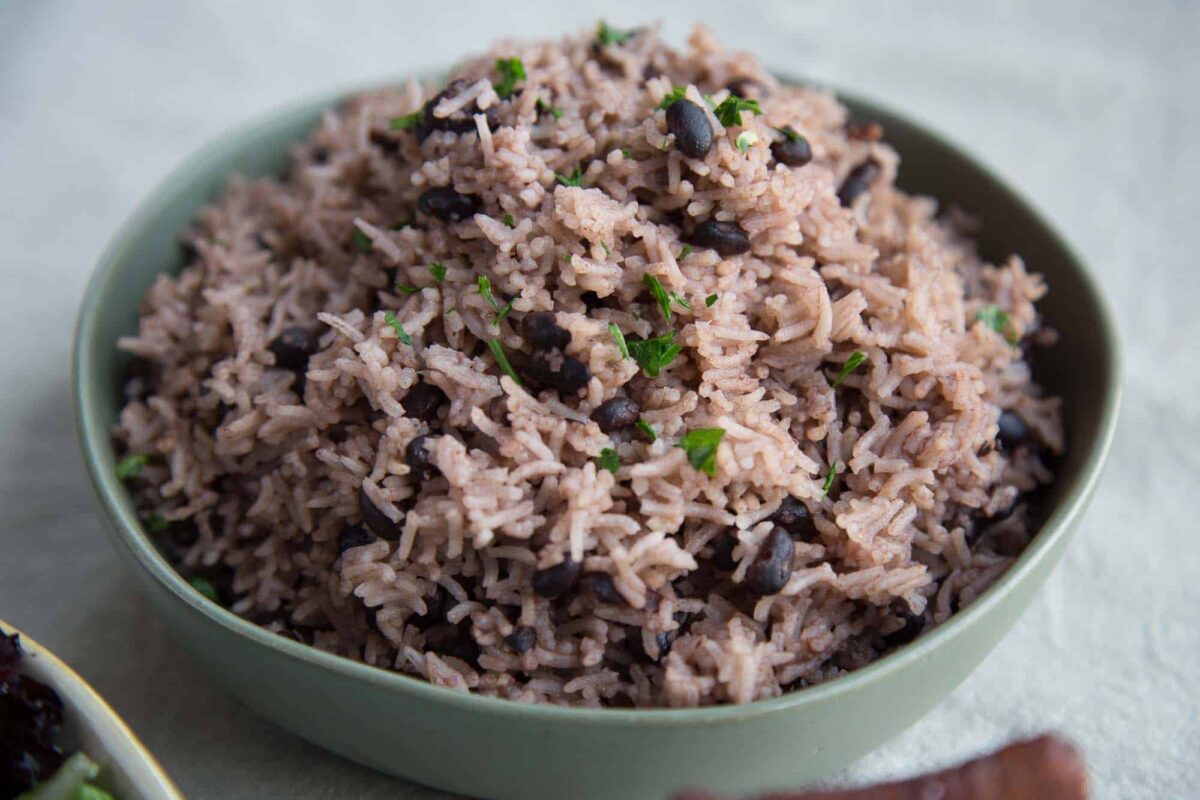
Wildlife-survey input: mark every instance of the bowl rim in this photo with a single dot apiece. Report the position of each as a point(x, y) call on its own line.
point(83, 703)
point(98, 459)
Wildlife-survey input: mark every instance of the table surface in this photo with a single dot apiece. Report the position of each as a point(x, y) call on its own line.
point(1091, 111)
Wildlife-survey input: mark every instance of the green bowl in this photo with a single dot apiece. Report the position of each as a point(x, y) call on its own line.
point(127, 769)
point(502, 749)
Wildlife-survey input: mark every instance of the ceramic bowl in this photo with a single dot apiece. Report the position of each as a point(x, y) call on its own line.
point(128, 770)
point(496, 748)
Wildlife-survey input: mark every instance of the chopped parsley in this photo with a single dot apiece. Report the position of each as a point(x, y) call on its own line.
point(829, 476)
point(574, 179)
point(789, 133)
point(710, 301)
point(646, 428)
point(998, 320)
point(681, 300)
point(660, 294)
point(362, 241)
point(609, 460)
point(606, 35)
point(131, 466)
point(627, 152)
point(619, 338)
point(745, 139)
point(676, 93)
point(407, 288)
point(542, 105)
point(502, 360)
point(701, 446)
point(156, 522)
point(402, 334)
point(485, 289)
point(512, 71)
point(729, 112)
point(509, 221)
point(438, 270)
point(684, 253)
point(652, 355)
point(852, 363)
point(204, 587)
point(607, 249)
point(405, 122)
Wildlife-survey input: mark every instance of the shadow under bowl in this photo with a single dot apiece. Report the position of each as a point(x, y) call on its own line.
point(502, 749)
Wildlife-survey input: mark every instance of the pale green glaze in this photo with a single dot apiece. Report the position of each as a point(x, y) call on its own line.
point(128, 770)
point(494, 748)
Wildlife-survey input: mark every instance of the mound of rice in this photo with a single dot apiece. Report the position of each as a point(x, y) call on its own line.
point(267, 399)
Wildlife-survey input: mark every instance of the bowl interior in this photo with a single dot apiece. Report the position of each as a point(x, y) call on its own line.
point(1082, 368)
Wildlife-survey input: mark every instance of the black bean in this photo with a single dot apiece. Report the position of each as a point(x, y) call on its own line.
point(616, 414)
point(423, 401)
point(689, 123)
point(292, 347)
point(601, 585)
point(793, 151)
point(437, 602)
point(461, 121)
point(446, 204)
point(1013, 430)
point(521, 639)
point(354, 536)
point(320, 155)
point(665, 639)
point(375, 519)
point(911, 628)
point(773, 566)
point(727, 238)
point(453, 640)
point(542, 331)
point(723, 550)
point(141, 379)
point(792, 515)
point(299, 383)
point(592, 301)
point(553, 581)
point(858, 181)
point(418, 457)
point(559, 371)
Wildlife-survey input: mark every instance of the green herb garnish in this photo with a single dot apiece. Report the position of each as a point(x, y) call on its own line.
point(652, 355)
point(729, 112)
point(502, 360)
point(606, 35)
point(131, 466)
point(405, 122)
point(407, 288)
point(681, 300)
point(710, 301)
point(998, 320)
point(204, 587)
point(829, 476)
point(512, 71)
point(574, 179)
point(684, 253)
point(745, 139)
point(852, 363)
point(609, 460)
point(619, 338)
point(701, 446)
point(362, 241)
point(485, 289)
point(676, 93)
point(509, 221)
point(156, 522)
point(789, 134)
point(438, 270)
point(627, 152)
point(660, 294)
point(402, 334)
point(542, 105)
point(645, 428)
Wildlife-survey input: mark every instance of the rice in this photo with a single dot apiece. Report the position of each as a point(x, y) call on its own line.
point(296, 493)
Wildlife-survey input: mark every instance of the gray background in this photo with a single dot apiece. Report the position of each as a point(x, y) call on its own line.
point(1090, 111)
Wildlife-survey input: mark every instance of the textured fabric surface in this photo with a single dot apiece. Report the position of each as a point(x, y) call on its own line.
point(1092, 113)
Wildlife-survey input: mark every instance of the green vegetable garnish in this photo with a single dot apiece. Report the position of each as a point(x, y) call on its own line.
point(204, 587)
point(405, 122)
point(681, 300)
point(362, 241)
point(652, 355)
point(829, 478)
point(509, 221)
point(998, 320)
point(710, 300)
point(645, 428)
point(627, 152)
point(485, 289)
point(71, 781)
point(619, 338)
point(574, 179)
point(156, 522)
point(542, 105)
point(502, 360)
point(609, 460)
point(852, 363)
point(701, 446)
point(789, 134)
point(729, 112)
point(407, 288)
point(606, 35)
point(676, 93)
point(745, 139)
point(684, 252)
point(660, 294)
point(512, 70)
point(402, 334)
point(607, 249)
point(131, 466)
point(438, 270)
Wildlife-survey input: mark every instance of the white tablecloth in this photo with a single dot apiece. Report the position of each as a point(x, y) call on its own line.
point(1091, 111)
